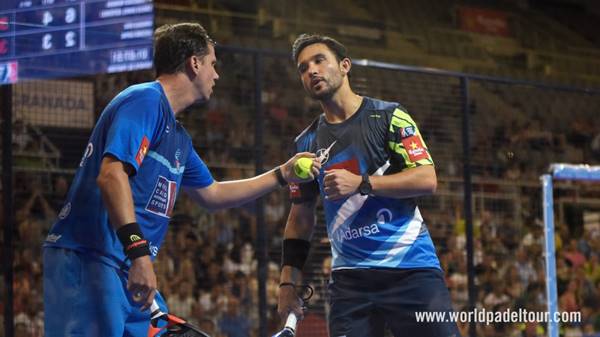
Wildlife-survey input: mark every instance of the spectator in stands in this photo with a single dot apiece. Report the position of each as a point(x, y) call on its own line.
point(21, 138)
point(569, 300)
point(182, 300)
point(497, 297)
point(573, 255)
point(233, 323)
point(524, 267)
point(512, 277)
point(274, 211)
point(31, 317)
point(583, 244)
point(592, 267)
point(210, 327)
point(58, 196)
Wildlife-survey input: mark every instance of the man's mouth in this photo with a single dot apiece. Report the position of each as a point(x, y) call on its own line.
point(316, 82)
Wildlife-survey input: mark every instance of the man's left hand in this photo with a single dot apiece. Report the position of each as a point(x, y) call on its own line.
point(340, 183)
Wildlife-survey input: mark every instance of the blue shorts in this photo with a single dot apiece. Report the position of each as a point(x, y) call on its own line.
point(86, 297)
point(366, 301)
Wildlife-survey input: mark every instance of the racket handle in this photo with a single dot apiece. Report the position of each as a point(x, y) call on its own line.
point(291, 321)
point(155, 310)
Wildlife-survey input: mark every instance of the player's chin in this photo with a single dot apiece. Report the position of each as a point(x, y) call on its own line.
point(321, 94)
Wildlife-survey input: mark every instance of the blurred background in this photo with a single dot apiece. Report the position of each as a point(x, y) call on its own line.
point(499, 89)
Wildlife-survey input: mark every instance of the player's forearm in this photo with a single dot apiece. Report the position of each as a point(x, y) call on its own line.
point(290, 274)
point(117, 198)
point(229, 194)
point(300, 225)
point(410, 183)
point(301, 221)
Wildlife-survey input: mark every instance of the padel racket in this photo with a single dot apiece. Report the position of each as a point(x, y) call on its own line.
point(290, 327)
point(167, 325)
point(289, 330)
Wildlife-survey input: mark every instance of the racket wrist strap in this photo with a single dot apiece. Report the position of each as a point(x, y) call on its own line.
point(133, 241)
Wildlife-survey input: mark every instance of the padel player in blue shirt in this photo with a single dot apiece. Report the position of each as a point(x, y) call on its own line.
point(374, 163)
point(98, 274)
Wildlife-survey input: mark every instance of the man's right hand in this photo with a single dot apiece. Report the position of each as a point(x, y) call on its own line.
point(142, 281)
point(289, 302)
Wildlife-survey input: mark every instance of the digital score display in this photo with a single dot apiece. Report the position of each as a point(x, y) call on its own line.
point(64, 38)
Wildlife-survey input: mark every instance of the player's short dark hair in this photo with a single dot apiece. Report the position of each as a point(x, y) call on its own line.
point(305, 40)
point(174, 44)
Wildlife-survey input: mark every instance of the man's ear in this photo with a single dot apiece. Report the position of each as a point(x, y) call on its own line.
point(192, 65)
point(195, 62)
point(346, 65)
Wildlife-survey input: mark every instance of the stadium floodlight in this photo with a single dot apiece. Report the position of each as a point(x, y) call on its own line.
point(558, 172)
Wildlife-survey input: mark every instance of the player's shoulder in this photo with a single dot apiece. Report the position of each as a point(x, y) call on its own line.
point(387, 107)
point(308, 134)
point(142, 99)
point(148, 91)
point(394, 112)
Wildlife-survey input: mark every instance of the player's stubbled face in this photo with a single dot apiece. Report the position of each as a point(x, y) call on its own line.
point(319, 71)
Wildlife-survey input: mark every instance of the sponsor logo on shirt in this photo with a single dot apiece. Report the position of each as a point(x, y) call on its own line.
point(414, 147)
point(88, 153)
point(163, 196)
point(407, 131)
point(384, 215)
point(64, 212)
point(295, 190)
point(355, 233)
point(153, 249)
point(53, 237)
point(143, 149)
point(177, 157)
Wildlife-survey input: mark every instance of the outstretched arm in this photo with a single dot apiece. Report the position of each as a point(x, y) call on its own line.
point(227, 194)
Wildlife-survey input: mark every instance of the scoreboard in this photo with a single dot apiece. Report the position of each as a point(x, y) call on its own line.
point(64, 38)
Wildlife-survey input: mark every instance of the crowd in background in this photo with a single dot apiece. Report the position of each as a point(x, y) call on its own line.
point(207, 267)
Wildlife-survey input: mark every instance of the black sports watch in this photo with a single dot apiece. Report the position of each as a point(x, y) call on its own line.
point(365, 187)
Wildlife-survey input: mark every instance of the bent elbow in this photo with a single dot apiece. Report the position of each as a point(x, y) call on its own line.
point(107, 178)
point(101, 181)
point(431, 181)
point(433, 186)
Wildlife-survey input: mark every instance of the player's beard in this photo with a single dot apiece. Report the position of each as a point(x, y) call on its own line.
point(331, 88)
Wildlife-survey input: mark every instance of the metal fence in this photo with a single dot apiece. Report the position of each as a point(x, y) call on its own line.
point(490, 139)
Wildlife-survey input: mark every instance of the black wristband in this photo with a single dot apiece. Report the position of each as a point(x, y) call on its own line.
point(295, 253)
point(132, 239)
point(287, 284)
point(280, 179)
